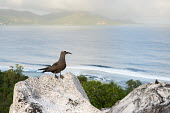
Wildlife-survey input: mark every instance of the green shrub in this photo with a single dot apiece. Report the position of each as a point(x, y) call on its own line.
point(102, 95)
point(82, 79)
point(131, 85)
point(7, 81)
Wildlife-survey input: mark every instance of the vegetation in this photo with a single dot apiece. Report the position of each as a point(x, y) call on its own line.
point(7, 81)
point(131, 84)
point(103, 95)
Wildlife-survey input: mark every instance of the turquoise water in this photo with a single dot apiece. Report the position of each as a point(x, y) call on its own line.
point(105, 53)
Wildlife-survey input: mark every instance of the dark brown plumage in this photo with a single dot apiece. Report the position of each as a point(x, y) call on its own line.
point(58, 66)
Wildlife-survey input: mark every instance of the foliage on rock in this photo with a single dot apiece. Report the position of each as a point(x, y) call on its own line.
point(7, 81)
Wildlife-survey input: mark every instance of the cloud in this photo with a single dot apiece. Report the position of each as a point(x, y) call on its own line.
point(137, 10)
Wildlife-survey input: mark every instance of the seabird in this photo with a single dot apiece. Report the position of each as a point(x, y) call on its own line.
point(58, 66)
point(156, 81)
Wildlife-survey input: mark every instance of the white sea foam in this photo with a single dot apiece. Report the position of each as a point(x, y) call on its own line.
point(121, 72)
point(76, 70)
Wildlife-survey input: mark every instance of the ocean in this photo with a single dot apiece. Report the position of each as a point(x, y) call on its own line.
point(106, 53)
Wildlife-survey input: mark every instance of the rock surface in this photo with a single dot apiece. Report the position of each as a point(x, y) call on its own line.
point(147, 98)
point(47, 94)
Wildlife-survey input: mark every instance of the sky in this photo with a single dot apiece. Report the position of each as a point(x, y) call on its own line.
point(141, 11)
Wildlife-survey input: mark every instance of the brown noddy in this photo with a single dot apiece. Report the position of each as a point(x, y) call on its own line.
point(58, 66)
point(156, 81)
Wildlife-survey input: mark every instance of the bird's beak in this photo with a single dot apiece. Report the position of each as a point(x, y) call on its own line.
point(68, 53)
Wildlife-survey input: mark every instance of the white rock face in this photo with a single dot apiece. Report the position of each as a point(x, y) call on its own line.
point(48, 94)
point(147, 98)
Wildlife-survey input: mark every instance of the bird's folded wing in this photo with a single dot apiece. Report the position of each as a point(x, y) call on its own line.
point(55, 63)
point(53, 68)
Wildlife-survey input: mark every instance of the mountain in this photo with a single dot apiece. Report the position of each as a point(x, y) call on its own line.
point(77, 18)
point(9, 16)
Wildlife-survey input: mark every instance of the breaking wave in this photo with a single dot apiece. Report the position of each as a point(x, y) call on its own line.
point(126, 71)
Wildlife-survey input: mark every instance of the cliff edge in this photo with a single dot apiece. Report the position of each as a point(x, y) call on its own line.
point(48, 94)
point(147, 98)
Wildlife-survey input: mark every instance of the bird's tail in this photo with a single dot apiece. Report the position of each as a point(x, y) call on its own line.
point(45, 69)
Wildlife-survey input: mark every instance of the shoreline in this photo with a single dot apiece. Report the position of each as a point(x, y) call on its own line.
point(103, 74)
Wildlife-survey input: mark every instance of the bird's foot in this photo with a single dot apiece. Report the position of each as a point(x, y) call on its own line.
point(61, 76)
point(56, 76)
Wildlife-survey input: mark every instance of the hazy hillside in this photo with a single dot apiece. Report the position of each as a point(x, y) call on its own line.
point(8, 16)
point(82, 19)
